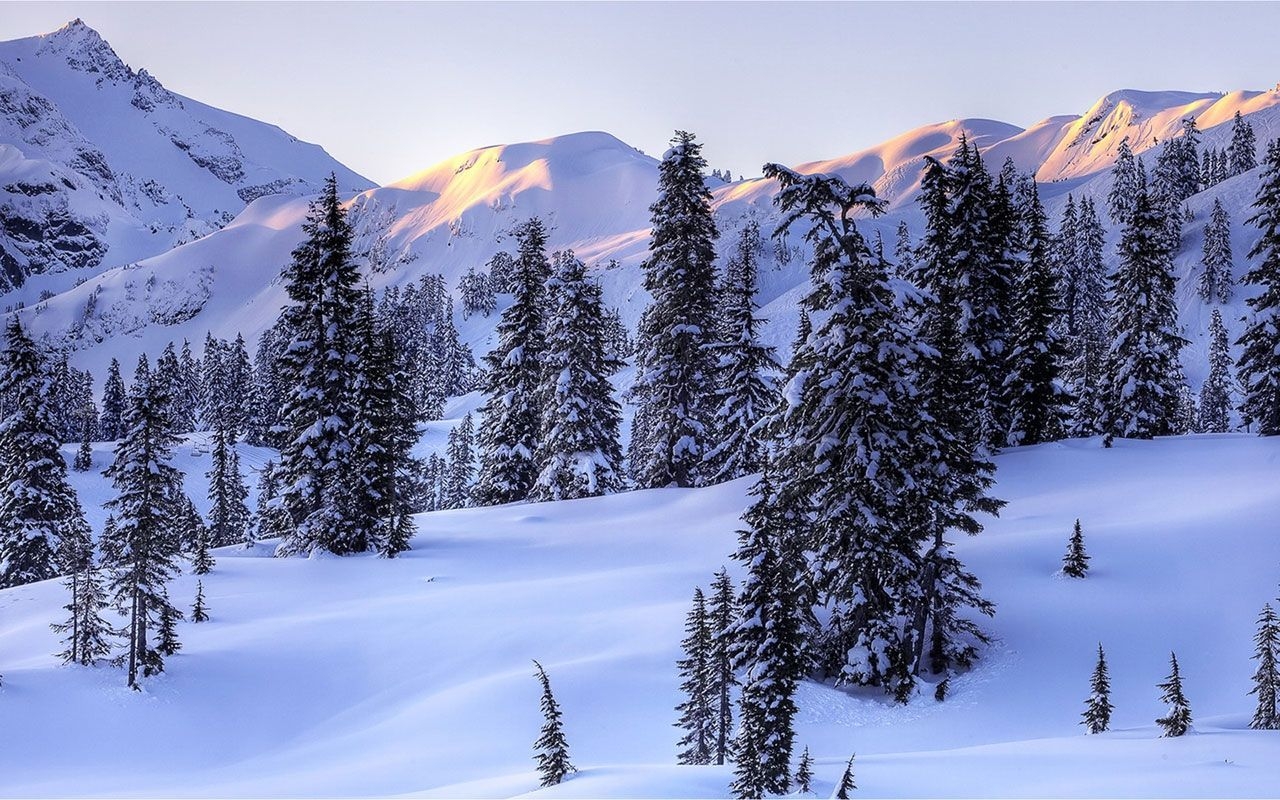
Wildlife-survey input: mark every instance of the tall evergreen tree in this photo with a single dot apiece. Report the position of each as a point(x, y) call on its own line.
point(271, 519)
point(551, 750)
point(1075, 564)
point(228, 512)
point(510, 416)
point(847, 785)
point(1098, 708)
point(459, 469)
point(1085, 371)
point(37, 505)
point(746, 369)
point(87, 634)
point(318, 367)
point(722, 616)
point(1266, 679)
point(1178, 721)
point(1215, 281)
point(1141, 398)
point(578, 447)
point(1243, 150)
point(1036, 401)
point(113, 402)
point(1126, 179)
point(697, 717)
point(141, 552)
point(1260, 359)
point(674, 364)
point(1215, 395)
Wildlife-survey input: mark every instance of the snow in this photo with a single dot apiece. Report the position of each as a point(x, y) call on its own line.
point(365, 676)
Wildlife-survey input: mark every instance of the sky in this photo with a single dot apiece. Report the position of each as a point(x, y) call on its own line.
point(391, 88)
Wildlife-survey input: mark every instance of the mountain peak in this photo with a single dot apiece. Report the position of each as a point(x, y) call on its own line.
point(85, 50)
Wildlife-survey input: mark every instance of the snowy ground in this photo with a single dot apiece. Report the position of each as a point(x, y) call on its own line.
point(360, 676)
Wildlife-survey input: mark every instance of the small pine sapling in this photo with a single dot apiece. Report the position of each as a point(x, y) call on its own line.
point(1178, 720)
point(551, 751)
point(1098, 708)
point(1075, 564)
point(199, 611)
point(846, 782)
point(804, 773)
point(1266, 680)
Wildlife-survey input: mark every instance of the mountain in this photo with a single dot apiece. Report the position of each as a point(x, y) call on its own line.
point(101, 165)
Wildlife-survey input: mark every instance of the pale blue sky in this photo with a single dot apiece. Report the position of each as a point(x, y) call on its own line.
point(391, 88)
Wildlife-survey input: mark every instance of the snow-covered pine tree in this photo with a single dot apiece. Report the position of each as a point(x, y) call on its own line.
point(87, 633)
point(1065, 255)
point(84, 456)
point(770, 649)
point(1098, 708)
point(228, 512)
point(1126, 178)
point(271, 519)
point(1260, 359)
point(903, 251)
point(167, 643)
point(502, 273)
point(199, 611)
point(168, 372)
point(36, 503)
point(113, 402)
point(722, 616)
point(746, 369)
point(845, 788)
point(1215, 394)
point(1085, 372)
point(202, 561)
point(1266, 679)
point(578, 448)
point(510, 417)
point(1075, 564)
point(318, 367)
point(551, 750)
point(1035, 400)
point(1243, 150)
point(1178, 721)
point(675, 368)
point(804, 773)
point(697, 717)
point(140, 553)
point(1216, 282)
point(1141, 398)
point(459, 469)
point(477, 294)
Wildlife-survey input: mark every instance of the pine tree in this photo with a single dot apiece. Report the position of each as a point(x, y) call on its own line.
point(903, 251)
point(228, 513)
point(1036, 402)
point(1125, 183)
point(88, 634)
point(1260, 359)
point(770, 649)
point(84, 456)
point(697, 717)
point(477, 294)
point(551, 751)
point(1178, 721)
point(1266, 679)
point(1215, 279)
point(140, 551)
point(1098, 708)
point(1141, 398)
point(846, 781)
point(167, 643)
point(674, 363)
point(578, 447)
point(113, 402)
point(1215, 395)
point(1243, 150)
point(1085, 371)
point(36, 502)
point(460, 467)
point(510, 416)
point(804, 773)
point(722, 616)
point(1075, 564)
point(271, 519)
point(316, 460)
point(199, 611)
point(746, 369)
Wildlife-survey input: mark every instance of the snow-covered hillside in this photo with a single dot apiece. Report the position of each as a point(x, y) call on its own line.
point(101, 165)
point(365, 676)
point(595, 190)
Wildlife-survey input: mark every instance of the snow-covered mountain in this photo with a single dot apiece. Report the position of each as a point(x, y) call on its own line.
point(101, 165)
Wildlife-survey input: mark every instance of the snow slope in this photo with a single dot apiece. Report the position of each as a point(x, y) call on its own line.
point(360, 676)
point(101, 165)
point(595, 191)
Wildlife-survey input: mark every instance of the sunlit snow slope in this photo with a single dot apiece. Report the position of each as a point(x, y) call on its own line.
point(362, 676)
